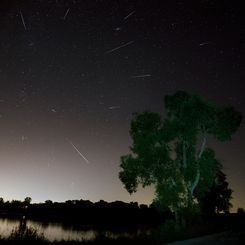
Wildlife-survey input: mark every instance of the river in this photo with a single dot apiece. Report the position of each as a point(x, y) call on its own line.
point(60, 231)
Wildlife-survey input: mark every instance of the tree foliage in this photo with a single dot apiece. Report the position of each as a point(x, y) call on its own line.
point(172, 154)
point(217, 198)
point(27, 200)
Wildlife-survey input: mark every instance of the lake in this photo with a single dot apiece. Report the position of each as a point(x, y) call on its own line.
point(61, 231)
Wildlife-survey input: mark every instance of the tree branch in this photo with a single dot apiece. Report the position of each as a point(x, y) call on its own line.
point(172, 181)
point(197, 178)
point(184, 155)
point(204, 141)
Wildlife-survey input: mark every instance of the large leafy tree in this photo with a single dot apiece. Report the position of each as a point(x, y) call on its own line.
point(172, 154)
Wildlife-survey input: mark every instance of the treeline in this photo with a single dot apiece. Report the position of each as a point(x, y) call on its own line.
point(86, 212)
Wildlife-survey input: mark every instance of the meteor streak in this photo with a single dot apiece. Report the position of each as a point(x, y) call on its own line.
point(143, 75)
point(67, 11)
point(23, 20)
point(204, 43)
point(114, 49)
point(87, 161)
point(113, 107)
point(128, 15)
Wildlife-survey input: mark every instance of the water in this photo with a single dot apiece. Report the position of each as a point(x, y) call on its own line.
point(60, 231)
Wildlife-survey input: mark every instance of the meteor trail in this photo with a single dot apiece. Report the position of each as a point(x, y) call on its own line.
point(204, 43)
point(128, 15)
point(113, 107)
point(143, 75)
point(87, 161)
point(67, 11)
point(114, 49)
point(23, 20)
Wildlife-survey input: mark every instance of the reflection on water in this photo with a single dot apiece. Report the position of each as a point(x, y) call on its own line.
point(59, 231)
point(51, 231)
point(6, 226)
point(55, 231)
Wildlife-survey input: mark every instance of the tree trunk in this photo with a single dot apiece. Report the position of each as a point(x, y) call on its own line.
point(197, 177)
point(204, 142)
point(195, 183)
point(184, 155)
point(179, 218)
point(176, 216)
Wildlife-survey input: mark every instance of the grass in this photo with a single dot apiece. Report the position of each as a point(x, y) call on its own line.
point(25, 235)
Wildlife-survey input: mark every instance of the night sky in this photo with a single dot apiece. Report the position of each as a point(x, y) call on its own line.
point(73, 72)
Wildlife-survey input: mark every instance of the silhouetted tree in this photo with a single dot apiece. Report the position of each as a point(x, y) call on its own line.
point(1, 204)
point(85, 212)
point(27, 201)
point(172, 154)
point(16, 203)
point(217, 198)
point(48, 202)
point(240, 211)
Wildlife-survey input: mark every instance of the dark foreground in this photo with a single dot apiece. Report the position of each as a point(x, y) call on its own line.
point(223, 229)
point(224, 238)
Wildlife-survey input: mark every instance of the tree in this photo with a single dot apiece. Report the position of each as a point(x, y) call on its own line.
point(27, 201)
point(1, 200)
point(48, 202)
point(240, 211)
point(172, 154)
point(217, 198)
